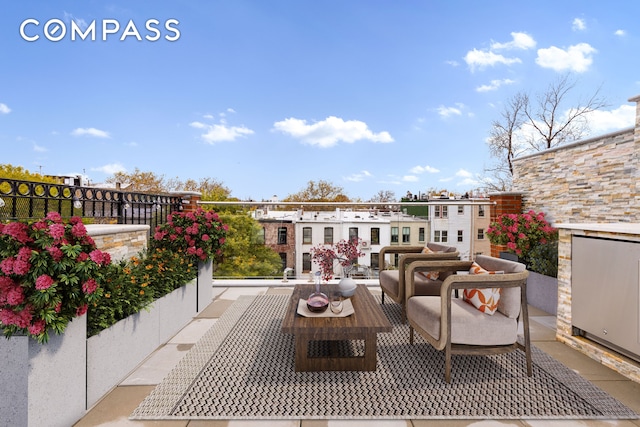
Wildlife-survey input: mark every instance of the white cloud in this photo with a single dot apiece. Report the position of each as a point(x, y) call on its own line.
point(357, 177)
point(452, 63)
point(216, 133)
point(463, 174)
point(522, 41)
point(578, 25)
point(110, 169)
point(576, 58)
point(90, 132)
point(494, 85)
point(481, 59)
point(39, 149)
point(410, 178)
point(446, 112)
point(4, 109)
point(601, 121)
point(423, 169)
point(620, 33)
point(330, 131)
point(68, 17)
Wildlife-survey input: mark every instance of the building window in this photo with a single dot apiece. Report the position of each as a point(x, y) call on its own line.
point(374, 261)
point(306, 262)
point(436, 236)
point(421, 234)
point(441, 211)
point(394, 234)
point(282, 235)
point(375, 236)
point(406, 234)
point(481, 210)
point(283, 258)
point(328, 235)
point(480, 233)
point(436, 211)
point(460, 210)
point(445, 236)
point(353, 233)
point(460, 236)
point(306, 236)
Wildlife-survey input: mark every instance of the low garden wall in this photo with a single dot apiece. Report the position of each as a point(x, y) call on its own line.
point(55, 383)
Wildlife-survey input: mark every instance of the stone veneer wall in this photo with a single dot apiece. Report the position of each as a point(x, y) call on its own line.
point(119, 240)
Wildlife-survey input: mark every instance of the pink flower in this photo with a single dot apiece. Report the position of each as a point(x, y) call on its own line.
point(37, 328)
point(18, 231)
point(82, 310)
point(96, 256)
point(82, 256)
point(159, 235)
point(15, 296)
point(57, 231)
point(54, 216)
point(44, 282)
point(24, 254)
point(205, 237)
point(21, 267)
point(6, 265)
point(55, 252)
point(79, 230)
point(89, 286)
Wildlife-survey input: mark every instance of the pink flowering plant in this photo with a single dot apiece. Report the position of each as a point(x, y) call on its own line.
point(200, 234)
point(50, 272)
point(522, 233)
point(346, 252)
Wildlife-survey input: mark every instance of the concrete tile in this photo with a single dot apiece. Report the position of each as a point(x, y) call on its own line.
point(626, 391)
point(215, 309)
point(540, 331)
point(284, 290)
point(235, 292)
point(580, 363)
point(191, 333)
point(153, 370)
point(115, 408)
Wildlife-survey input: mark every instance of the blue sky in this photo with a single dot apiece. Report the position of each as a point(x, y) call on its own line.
point(266, 95)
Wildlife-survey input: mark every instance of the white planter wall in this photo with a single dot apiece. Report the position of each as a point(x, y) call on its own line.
point(118, 350)
point(44, 384)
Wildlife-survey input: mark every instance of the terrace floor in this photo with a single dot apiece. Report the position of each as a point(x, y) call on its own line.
point(115, 408)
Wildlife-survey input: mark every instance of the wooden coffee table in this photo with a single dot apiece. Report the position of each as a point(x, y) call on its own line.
point(364, 324)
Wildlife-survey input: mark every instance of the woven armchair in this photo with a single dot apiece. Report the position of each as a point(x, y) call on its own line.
point(393, 282)
point(457, 327)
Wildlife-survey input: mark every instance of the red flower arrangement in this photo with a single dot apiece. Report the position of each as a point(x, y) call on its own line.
point(199, 234)
point(50, 271)
point(344, 251)
point(521, 233)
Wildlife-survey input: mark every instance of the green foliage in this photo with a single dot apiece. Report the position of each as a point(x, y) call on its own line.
point(244, 254)
point(132, 285)
point(543, 259)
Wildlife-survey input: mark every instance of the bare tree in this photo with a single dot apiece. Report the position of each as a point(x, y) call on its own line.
point(523, 127)
point(553, 123)
point(385, 196)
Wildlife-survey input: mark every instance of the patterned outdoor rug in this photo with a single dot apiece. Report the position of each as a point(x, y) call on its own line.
point(243, 368)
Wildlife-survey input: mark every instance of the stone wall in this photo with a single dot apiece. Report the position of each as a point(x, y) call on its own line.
point(119, 240)
point(595, 180)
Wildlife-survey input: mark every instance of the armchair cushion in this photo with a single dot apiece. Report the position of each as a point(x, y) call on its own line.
point(486, 300)
point(431, 275)
point(468, 325)
point(424, 286)
point(509, 304)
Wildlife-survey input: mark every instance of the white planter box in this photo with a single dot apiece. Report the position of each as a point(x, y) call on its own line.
point(118, 350)
point(542, 292)
point(44, 384)
point(205, 284)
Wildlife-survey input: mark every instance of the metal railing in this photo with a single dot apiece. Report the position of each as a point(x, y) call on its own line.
point(27, 200)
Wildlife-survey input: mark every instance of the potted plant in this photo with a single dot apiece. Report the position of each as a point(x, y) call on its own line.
point(534, 241)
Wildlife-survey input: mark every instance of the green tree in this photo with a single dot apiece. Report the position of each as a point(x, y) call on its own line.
point(245, 254)
point(18, 172)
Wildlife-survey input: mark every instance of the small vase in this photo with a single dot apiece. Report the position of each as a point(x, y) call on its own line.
point(347, 285)
point(317, 301)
